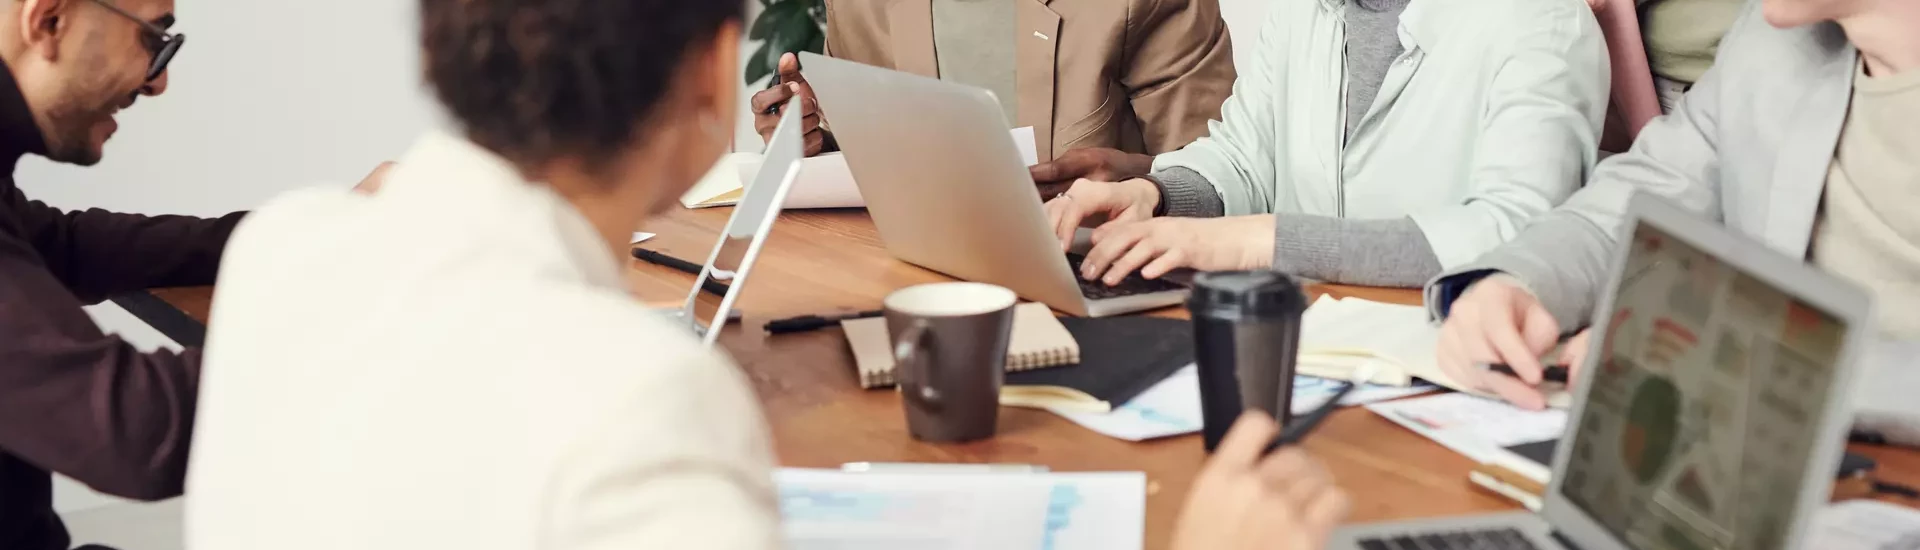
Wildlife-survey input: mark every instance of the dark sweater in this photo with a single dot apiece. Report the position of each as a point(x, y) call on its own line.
point(74, 400)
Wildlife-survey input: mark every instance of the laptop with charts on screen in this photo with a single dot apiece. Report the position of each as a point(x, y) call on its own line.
point(1711, 411)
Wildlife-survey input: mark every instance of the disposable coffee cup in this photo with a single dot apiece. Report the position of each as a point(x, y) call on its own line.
point(1246, 336)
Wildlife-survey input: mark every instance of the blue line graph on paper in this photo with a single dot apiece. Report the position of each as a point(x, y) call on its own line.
point(823, 509)
point(1172, 407)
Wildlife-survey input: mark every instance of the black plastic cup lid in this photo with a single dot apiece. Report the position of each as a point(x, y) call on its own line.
point(1258, 293)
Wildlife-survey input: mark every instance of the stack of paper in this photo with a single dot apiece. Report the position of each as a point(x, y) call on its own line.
point(1480, 428)
point(1172, 407)
point(834, 509)
point(825, 180)
point(1885, 405)
point(1865, 525)
point(1337, 336)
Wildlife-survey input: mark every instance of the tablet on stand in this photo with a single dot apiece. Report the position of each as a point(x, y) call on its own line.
point(746, 230)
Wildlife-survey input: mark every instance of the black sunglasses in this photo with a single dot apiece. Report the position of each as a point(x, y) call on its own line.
point(163, 44)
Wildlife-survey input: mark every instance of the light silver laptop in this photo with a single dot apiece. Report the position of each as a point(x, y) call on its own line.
point(1711, 412)
point(949, 192)
point(739, 243)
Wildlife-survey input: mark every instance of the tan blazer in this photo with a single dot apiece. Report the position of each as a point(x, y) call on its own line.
point(1142, 76)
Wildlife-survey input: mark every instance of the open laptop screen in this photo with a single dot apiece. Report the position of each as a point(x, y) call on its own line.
point(1705, 412)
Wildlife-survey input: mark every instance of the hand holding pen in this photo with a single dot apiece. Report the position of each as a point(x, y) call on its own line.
point(787, 83)
point(1572, 353)
point(1246, 498)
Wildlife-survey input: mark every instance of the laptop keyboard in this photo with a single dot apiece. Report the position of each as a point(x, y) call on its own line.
point(1133, 284)
point(1490, 539)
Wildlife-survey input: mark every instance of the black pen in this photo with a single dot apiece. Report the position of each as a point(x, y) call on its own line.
point(711, 286)
point(1297, 430)
point(806, 323)
point(1553, 373)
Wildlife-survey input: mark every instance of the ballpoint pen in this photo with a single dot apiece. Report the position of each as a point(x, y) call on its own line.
point(806, 323)
point(1552, 373)
point(711, 286)
point(1298, 429)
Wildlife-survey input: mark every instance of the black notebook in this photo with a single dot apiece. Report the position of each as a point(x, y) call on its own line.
point(1120, 358)
point(1539, 452)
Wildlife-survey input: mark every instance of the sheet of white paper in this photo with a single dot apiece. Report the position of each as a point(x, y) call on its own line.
point(1884, 403)
point(639, 237)
point(1172, 407)
point(723, 178)
point(825, 182)
point(833, 509)
point(119, 322)
point(1338, 335)
point(1865, 525)
point(1477, 427)
point(1023, 140)
point(1401, 335)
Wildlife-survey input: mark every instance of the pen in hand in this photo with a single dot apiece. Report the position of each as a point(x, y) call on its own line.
point(1552, 373)
point(778, 80)
point(1297, 429)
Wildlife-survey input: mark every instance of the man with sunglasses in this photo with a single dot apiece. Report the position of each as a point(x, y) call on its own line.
point(73, 400)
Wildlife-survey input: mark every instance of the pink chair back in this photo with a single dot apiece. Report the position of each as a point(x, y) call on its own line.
point(1635, 101)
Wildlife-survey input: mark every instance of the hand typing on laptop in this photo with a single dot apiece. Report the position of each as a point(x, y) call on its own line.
point(1132, 239)
point(1245, 499)
point(1131, 200)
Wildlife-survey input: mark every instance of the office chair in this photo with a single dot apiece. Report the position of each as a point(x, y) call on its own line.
point(1634, 100)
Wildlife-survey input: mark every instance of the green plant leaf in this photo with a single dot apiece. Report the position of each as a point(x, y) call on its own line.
point(757, 67)
point(784, 26)
point(794, 40)
point(776, 16)
point(818, 11)
point(817, 43)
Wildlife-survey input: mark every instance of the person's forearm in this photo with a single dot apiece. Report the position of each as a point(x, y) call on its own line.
point(1392, 252)
point(96, 253)
point(1186, 194)
point(105, 414)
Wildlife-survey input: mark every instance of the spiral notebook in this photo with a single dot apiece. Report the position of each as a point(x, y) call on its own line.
point(1038, 341)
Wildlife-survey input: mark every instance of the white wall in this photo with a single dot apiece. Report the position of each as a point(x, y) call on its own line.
point(267, 97)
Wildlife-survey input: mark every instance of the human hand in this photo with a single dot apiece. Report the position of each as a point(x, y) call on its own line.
point(767, 106)
point(375, 179)
point(1497, 322)
point(1093, 163)
point(1159, 245)
point(1573, 353)
point(1130, 200)
point(1241, 500)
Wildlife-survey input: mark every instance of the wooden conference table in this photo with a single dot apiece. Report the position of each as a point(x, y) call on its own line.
point(833, 261)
